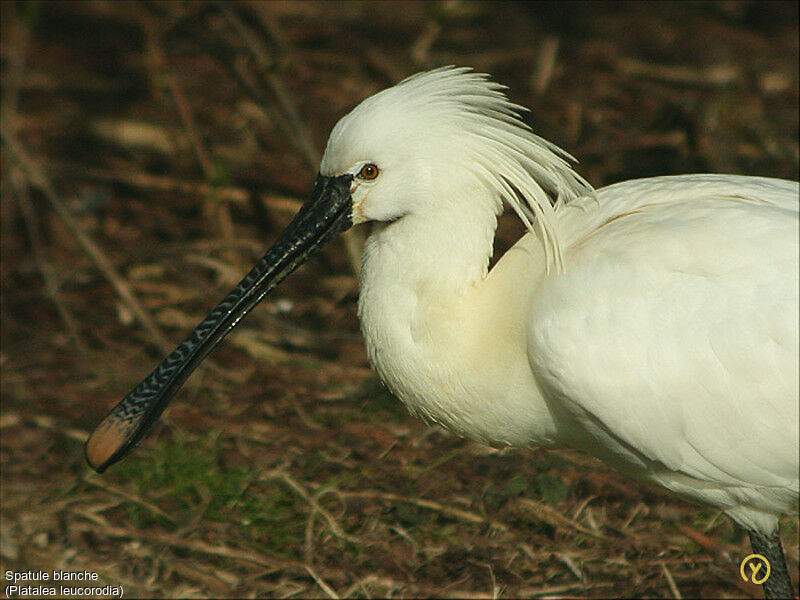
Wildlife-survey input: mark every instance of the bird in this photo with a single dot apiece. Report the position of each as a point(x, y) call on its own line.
point(652, 323)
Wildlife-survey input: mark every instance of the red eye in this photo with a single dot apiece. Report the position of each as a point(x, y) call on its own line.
point(368, 171)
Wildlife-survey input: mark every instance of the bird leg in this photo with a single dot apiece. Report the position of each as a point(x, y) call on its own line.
point(778, 585)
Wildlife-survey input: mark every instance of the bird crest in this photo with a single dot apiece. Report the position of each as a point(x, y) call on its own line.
point(482, 130)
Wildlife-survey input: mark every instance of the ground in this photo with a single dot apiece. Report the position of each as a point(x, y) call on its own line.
point(152, 150)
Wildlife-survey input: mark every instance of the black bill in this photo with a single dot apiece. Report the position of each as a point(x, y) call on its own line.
point(325, 214)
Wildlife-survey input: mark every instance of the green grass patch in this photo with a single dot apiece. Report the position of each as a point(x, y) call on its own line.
point(552, 489)
point(187, 479)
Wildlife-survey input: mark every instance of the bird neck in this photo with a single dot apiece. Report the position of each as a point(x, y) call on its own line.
point(430, 317)
point(448, 252)
point(416, 274)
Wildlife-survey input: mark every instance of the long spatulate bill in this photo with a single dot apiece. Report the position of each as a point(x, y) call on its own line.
point(326, 213)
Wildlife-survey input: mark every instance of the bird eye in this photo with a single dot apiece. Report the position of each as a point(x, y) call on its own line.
point(368, 171)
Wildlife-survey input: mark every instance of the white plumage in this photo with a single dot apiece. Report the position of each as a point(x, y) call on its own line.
point(652, 323)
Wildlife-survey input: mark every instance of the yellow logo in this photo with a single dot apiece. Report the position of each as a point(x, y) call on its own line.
point(755, 562)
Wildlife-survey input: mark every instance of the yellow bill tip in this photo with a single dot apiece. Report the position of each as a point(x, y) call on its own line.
point(106, 441)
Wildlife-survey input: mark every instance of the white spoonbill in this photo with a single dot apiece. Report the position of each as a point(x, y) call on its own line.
point(652, 323)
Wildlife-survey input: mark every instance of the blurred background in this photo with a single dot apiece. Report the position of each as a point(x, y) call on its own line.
point(152, 150)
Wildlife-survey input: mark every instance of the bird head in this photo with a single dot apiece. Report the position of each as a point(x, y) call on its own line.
point(410, 147)
point(393, 155)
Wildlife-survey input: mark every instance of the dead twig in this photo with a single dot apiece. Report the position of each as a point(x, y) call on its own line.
point(455, 513)
point(570, 564)
point(545, 64)
point(712, 76)
point(308, 552)
point(204, 574)
point(164, 73)
point(669, 139)
point(712, 546)
point(421, 48)
point(496, 591)
point(100, 259)
point(640, 506)
point(551, 516)
point(354, 242)
point(162, 538)
point(37, 177)
point(18, 51)
point(373, 580)
point(287, 103)
point(560, 590)
point(44, 422)
point(215, 210)
point(93, 479)
point(321, 583)
point(301, 491)
point(45, 268)
point(670, 581)
point(161, 183)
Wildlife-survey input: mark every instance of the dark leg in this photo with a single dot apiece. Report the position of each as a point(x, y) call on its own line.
point(778, 585)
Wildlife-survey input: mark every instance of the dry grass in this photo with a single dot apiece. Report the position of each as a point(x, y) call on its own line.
point(178, 139)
